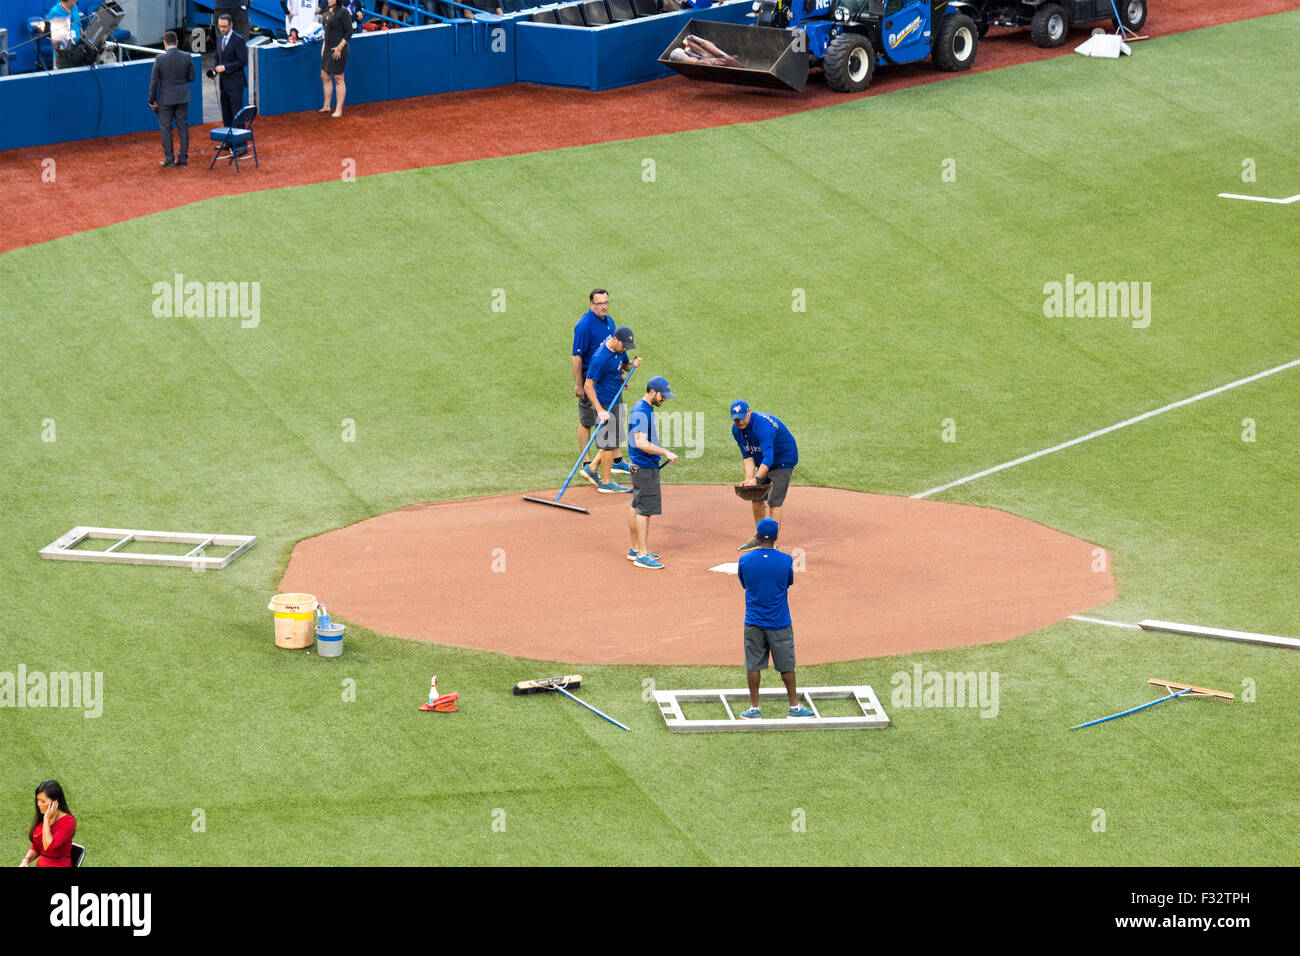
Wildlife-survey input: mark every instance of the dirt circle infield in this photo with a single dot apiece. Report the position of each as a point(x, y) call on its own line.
point(881, 575)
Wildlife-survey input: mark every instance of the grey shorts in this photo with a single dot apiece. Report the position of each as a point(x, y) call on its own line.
point(586, 413)
point(610, 435)
point(646, 498)
point(759, 642)
point(779, 479)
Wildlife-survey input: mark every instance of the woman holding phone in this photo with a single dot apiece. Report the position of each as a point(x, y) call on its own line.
point(334, 55)
point(52, 829)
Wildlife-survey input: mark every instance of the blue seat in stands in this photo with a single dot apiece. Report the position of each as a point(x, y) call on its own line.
point(570, 15)
point(594, 12)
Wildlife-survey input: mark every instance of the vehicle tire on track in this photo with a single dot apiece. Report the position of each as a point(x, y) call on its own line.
point(1050, 25)
point(955, 44)
point(849, 63)
point(1132, 13)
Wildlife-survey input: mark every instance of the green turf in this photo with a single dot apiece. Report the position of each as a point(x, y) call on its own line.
point(924, 303)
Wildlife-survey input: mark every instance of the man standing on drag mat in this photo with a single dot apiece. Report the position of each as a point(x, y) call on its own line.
point(766, 575)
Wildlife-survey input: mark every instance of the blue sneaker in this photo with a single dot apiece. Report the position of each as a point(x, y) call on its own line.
point(611, 488)
point(801, 712)
point(645, 561)
point(590, 475)
point(620, 468)
point(751, 713)
point(632, 555)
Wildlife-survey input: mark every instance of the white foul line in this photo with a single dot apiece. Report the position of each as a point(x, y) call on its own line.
point(1280, 202)
point(1097, 620)
point(1195, 630)
point(1108, 429)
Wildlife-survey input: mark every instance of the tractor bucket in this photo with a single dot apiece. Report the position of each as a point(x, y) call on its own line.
point(765, 56)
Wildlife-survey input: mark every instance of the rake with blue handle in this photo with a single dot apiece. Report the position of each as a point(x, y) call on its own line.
point(557, 503)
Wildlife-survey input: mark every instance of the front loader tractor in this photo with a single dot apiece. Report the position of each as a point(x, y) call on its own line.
point(846, 38)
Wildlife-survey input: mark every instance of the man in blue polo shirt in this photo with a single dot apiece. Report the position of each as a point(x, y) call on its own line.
point(594, 326)
point(769, 453)
point(603, 385)
point(63, 24)
point(644, 451)
point(766, 575)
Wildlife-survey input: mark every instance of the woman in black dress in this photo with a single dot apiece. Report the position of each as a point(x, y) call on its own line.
point(334, 54)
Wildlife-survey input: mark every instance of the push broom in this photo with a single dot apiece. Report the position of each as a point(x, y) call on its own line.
point(545, 684)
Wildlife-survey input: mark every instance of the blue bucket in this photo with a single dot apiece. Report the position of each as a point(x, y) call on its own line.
point(329, 640)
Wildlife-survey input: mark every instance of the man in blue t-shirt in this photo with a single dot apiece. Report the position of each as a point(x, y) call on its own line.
point(766, 575)
point(594, 326)
point(603, 385)
point(769, 454)
point(644, 451)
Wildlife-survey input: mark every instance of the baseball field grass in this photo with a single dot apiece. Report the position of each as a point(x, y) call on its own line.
point(427, 317)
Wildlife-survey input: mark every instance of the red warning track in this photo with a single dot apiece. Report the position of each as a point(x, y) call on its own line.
point(101, 182)
point(881, 575)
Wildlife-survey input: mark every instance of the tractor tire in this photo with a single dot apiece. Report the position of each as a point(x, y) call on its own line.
point(1132, 14)
point(955, 44)
point(849, 63)
point(1050, 25)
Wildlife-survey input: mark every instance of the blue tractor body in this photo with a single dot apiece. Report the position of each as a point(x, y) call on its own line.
point(847, 38)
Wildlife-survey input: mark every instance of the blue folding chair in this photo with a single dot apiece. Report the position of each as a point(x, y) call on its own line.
point(236, 138)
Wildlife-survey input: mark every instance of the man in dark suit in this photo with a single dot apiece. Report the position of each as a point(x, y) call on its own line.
point(169, 97)
point(232, 62)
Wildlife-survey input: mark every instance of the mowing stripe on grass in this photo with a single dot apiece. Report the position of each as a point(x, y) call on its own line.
point(1108, 429)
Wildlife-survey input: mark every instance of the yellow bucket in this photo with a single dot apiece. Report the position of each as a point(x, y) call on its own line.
point(295, 620)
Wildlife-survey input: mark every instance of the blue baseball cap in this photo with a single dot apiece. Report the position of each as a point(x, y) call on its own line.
point(660, 384)
point(767, 528)
point(624, 335)
point(739, 409)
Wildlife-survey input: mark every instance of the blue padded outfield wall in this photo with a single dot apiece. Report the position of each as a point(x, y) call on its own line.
point(391, 64)
point(84, 103)
point(603, 57)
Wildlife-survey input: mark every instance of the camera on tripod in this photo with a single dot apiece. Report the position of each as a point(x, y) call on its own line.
point(103, 22)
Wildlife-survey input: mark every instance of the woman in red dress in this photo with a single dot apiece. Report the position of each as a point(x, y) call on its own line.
point(52, 829)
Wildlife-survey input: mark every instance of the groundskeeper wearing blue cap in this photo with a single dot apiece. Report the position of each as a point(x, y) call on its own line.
point(770, 454)
point(603, 384)
point(646, 457)
point(766, 575)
